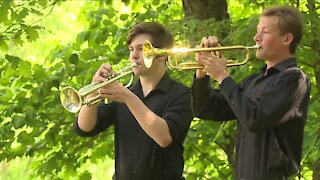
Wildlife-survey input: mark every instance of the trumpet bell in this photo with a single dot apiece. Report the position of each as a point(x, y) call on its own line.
point(148, 54)
point(70, 99)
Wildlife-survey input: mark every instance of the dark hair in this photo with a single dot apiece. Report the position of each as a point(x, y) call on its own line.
point(160, 37)
point(290, 21)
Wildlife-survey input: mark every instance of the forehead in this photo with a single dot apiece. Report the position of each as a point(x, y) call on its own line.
point(140, 39)
point(270, 22)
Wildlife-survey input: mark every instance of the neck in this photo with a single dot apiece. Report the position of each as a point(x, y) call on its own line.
point(274, 61)
point(148, 83)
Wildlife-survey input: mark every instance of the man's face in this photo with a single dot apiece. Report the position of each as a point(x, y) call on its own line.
point(136, 53)
point(268, 37)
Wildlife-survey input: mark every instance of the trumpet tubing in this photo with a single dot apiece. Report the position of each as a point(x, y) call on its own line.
point(72, 100)
point(150, 53)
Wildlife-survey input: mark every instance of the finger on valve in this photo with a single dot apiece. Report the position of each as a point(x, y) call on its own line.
point(213, 41)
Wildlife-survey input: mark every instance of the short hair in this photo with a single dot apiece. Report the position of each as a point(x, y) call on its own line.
point(160, 37)
point(290, 21)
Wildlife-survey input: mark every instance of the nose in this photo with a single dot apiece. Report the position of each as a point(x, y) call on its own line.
point(257, 37)
point(134, 54)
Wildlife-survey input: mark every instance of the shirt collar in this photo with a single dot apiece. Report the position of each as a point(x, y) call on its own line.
point(290, 62)
point(163, 85)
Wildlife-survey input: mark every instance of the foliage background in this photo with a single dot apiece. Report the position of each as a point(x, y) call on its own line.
point(48, 44)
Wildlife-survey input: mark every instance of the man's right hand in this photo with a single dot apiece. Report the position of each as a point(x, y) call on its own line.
point(101, 75)
point(211, 41)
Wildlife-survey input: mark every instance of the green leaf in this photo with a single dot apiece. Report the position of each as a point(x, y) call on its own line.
point(17, 38)
point(39, 73)
point(55, 83)
point(6, 132)
point(43, 3)
point(25, 138)
point(21, 15)
point(110, 13)
point(4, 10)
point(31, 32)
point(13, 60)
point(85, 176)
point(126, 2)
point(3, 45)
point(124, 17)
point(87, 53)
point(10, 73)
point(18, 121)
point(17, 150)
point(6, 93)
point(155, 2)
point(74, 59)
point(25, 69)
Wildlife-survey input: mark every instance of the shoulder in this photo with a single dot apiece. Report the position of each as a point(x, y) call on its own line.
point(177, 89)
point(178, 85)
point(250, 78)
point(292, 73)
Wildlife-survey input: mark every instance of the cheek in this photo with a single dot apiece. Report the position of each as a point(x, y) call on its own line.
point(267, 41)
point(271, 42)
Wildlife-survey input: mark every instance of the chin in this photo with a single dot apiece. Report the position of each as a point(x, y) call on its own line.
point(260, 55)
point(135, 71)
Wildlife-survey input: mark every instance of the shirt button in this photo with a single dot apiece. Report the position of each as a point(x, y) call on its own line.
point(134, 171)
point(135, 153)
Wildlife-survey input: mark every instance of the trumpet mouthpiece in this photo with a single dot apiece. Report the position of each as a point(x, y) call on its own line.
point(256, 46)
point(134, 64)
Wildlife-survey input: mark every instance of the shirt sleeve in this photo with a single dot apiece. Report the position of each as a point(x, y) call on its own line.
point(209, 103)
point(274, 105)
point(179, 114)
point(104, 120)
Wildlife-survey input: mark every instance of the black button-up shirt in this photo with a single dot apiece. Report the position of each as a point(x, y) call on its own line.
point(137, 156)
point(271, 109)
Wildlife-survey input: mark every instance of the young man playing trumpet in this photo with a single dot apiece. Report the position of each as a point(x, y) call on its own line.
point(151, 118)
point(270, 106)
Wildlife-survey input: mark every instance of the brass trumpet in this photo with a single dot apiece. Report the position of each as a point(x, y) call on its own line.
point(150, 53)
point(72, 100)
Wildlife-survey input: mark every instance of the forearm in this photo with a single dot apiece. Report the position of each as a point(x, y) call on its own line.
point(155, 126)
point(87, 118)
point(267, 110)
point(209, 103)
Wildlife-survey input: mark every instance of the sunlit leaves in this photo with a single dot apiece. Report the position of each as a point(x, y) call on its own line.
point(3, 45)
point(4, 11)
point(17, 19)
point(25, 69)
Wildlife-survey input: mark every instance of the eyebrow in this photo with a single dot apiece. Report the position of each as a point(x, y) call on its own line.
point(263, 28)
point(138, 45)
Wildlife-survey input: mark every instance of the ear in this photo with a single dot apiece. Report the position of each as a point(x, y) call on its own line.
point(287, 39)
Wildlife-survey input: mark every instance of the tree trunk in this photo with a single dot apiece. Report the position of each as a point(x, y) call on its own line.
point(205, 9)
